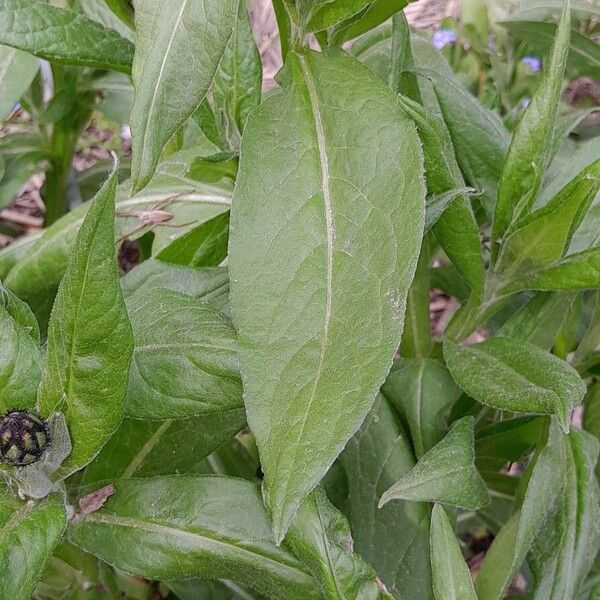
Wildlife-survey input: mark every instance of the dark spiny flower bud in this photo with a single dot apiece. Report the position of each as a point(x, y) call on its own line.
point(23, 438)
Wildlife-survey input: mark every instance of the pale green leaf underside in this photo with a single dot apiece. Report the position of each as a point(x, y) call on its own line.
point(317, 305)
point(516, 376)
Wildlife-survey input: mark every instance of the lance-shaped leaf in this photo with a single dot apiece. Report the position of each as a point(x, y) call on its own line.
point(177, 41)
point(29, 531)
point(579, 271)
point(184, 358)
point(554, 478)
point(17, 70)
point(565, 547)
point(479, 137)
point(530, 146)
point(89, 338)
point(422, 391)
point(516, 376)
point(542, 237)
point(395, 538)
point(236, 88)
point(320, 537)
point(20, 363)
point(317, 306)
point(451, 578)
point(62, 36)
point(446, 473)
point(157, 528)
point(456, 229)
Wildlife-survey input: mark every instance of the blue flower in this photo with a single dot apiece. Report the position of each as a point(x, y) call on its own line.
point(443, 37)
point(533, 62)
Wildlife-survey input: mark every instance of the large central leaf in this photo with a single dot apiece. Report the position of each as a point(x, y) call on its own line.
point(326, 229)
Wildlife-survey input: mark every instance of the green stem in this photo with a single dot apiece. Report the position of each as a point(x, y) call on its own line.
point(416, 338)
point(63, 141)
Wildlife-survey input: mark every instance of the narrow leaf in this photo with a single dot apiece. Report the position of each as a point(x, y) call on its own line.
point(542, 237)
point(302, 227)
point(320, 537)
point(62, 36)
point(156, 528)
point(446, 473)
point(451, 578)
point(516, 376)
point(530, 146)
point(89, 338)
point(579, 271)
point(172, 35)
point(29, 531)
point(456, 229)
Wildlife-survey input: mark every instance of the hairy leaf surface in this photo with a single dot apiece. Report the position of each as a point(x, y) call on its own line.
point(317, 306)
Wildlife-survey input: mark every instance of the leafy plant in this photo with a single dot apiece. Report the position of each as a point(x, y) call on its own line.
point(261, 406)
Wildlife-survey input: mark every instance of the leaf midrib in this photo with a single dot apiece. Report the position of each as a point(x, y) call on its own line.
point(203, 540)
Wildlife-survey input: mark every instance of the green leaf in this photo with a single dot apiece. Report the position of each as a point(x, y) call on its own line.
point(172, 35)
point(29, 531)
point(456, 230)
point(181, 200)
point(395, 538)
point(98, 11)
point(210, 284)
point(479, 137)
point(565, 547)
point(76, 575)
point(584, 52)
point(148, 448)
point(446, 473)
point(205, 245)
point(422, 391)
point(324, 14)
point(579, 271)
point(192, 589)
point(529, 150)
point(516, 376)
point(539, 320)
point(62, 36)
point(506, 441)
point(344, 298)
point(542, 237)
point(451, 578)
point(89, 338)
point(320, 537)
point(377, 12)
point(236, 88)
point(157, 528)
point(17, 70)
point(184, 359)
point(555, 478)
point(123, 9)
point(20, 363)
